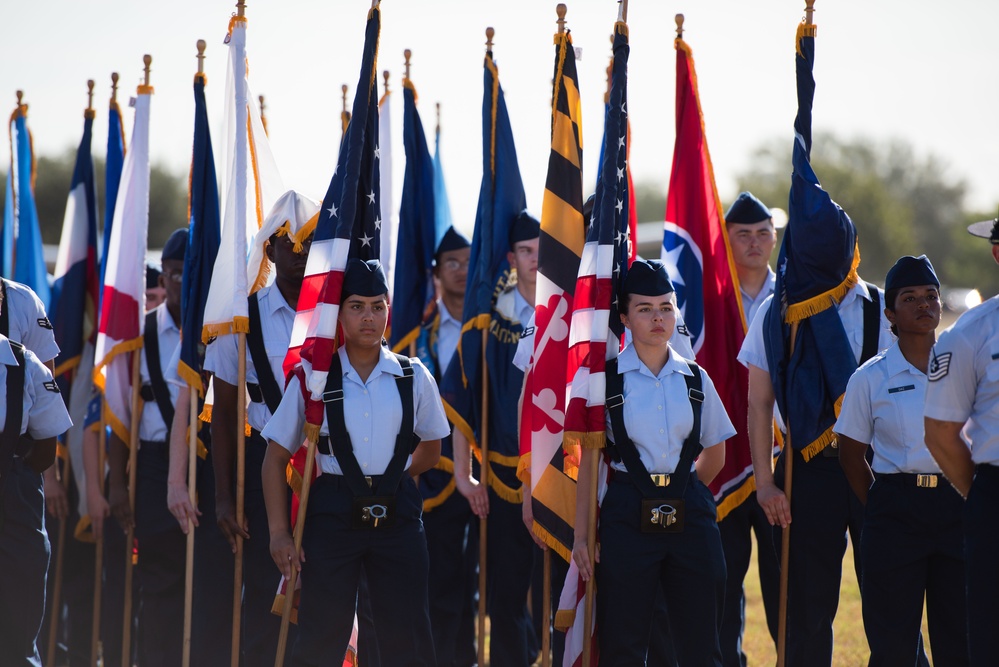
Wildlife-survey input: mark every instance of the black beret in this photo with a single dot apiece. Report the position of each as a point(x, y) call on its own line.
point(747, 210)
point(647, 277)
point(363, 279)
point(152, 276)
point(910, 271)
point(524, 228)
point(452, 240)
point(986, 229)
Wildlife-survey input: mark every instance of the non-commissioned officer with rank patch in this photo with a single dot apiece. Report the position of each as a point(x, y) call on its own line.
point(382, 426)
point(912, 543)
point(962, 432)
point(33, 414)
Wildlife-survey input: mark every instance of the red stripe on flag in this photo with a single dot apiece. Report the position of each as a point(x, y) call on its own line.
point(124, 324)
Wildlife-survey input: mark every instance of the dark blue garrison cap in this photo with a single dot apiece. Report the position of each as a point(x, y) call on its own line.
point(452, 240)
point(648, 278)
point(747, 210)
point(910, 271)
point(176, 245)
point(524, 228)
point(363, 279)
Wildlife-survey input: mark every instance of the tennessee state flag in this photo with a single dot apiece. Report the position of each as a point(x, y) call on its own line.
point(699, 260)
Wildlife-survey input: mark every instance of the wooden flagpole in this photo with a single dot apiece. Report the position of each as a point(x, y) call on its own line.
point(785, 542)
point(192, 468)
point(289, 591)
point(133, 451)
point(237, 588)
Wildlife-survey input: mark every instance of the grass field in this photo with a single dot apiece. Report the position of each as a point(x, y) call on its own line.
point(849, 641)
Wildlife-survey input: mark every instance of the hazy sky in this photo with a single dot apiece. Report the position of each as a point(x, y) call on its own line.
point(922, 71)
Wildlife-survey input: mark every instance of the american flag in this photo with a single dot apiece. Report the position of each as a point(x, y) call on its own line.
point(349, 226)
point(596, 330)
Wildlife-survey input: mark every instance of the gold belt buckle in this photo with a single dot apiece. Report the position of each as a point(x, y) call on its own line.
point(926, 481)
point(660, 480)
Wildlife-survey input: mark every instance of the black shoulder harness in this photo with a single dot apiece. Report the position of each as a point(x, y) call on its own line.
point(157, 385)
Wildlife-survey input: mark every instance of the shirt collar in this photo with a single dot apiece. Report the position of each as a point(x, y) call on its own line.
point(7, 357)
point(897, 363)
point(271, 300)
point(857, 291)
point(628, 361)
point(387, 363)
point(445, 314)
point(163, 320)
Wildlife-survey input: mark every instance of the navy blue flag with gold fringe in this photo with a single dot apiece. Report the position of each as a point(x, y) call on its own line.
point(501, 198)
point(816, 268)
point(413, 290)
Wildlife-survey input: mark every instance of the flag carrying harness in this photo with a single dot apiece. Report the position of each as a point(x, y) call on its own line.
point(266, 390)
point(658, 514)
point(12, 443)
point(156, 389)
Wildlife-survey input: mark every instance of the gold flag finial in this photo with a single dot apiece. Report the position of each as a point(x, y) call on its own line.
point(385, 76)
point(809, 10)
point(438, 118)
point(20, 96)
point(407, 54)
point(241, 8)
point(90, 94)
point(202, 45)
point(679, 26)
point(343, 89)
point(146, 61)
point(489, 38)
point(622, 14)
point(114, 87)
point(560, 10)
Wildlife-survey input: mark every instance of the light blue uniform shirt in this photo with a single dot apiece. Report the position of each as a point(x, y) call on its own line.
point(44, 414)
point(29, 325)
point(448, 334)
point(751, 305)
point(372, 410)
point(964, 379)
point(851, 313)
point(152, 426)
point(883, 407)
point(657, 412)
point(222, 357)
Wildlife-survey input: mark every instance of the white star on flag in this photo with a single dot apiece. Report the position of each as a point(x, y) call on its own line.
point(620, 174)
point(672, 262)
point(620, 142)
point(378, 223)
point(378, 153)
point(332, 210)
point(371, 197)
point(366, 240)
point(620, 206)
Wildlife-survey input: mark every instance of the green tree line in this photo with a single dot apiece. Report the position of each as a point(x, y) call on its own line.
point(902, 203)
point(53, 175)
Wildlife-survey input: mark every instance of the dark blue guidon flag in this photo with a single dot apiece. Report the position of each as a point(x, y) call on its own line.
point(501, 198)
point(203, 241)
point(413, 291)
point(816, 268)
point(113, 164)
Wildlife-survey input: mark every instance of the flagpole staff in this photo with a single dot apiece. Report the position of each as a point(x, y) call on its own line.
point(133, 451)
point(385, 77)
point(66, 475)
point(192, 466)
point(344, 114)
point(484, 467)
point(438, 128)
point(289, 591)
point(263, 113)
point(407, 54)
point(785, 542)
point(95, 626)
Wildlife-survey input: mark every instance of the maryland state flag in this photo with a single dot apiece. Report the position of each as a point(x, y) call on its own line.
point(697, 255)
point(413, 291)
point(22, 238)
point(501, 199)
point(563, 234)
point(816, 268)
point(203, 241)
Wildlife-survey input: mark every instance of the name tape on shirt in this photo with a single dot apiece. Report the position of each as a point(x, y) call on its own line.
point(896, 390)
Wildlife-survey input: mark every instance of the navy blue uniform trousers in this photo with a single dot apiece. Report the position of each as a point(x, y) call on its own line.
point(452, 534)
point(912, 546)
point(687, 567)
point(509, 562)
point(24, 559)
point(737, 529)
point(394, 559)
point(981, 549)
point(162, 556)
point(260, 629)
point(823, 509)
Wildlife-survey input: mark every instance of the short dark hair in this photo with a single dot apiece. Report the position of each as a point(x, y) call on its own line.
point(890, 297)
